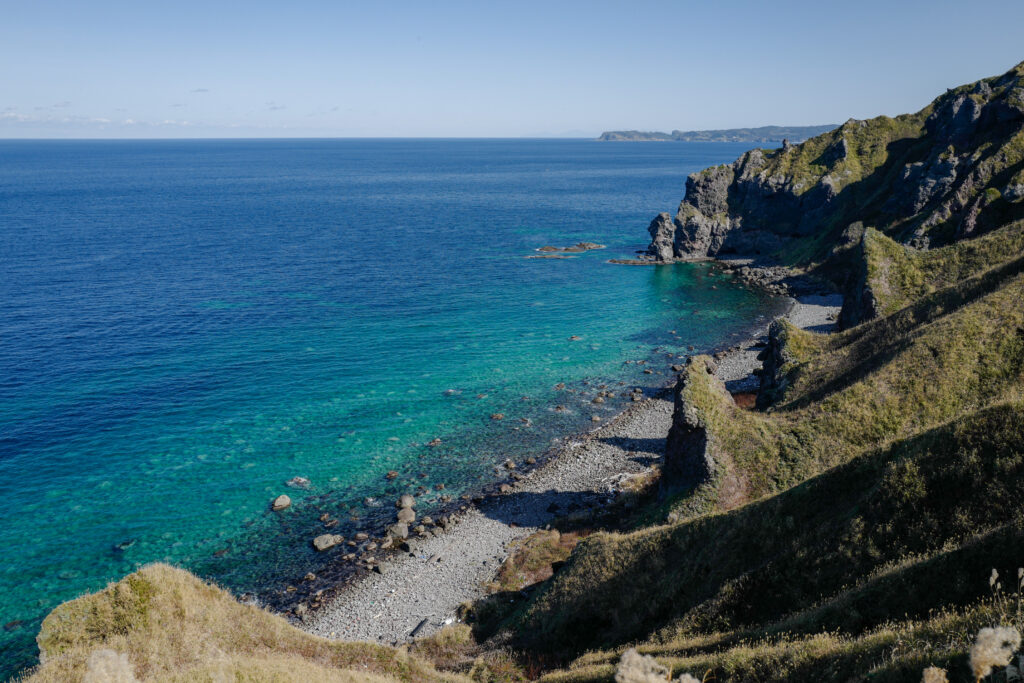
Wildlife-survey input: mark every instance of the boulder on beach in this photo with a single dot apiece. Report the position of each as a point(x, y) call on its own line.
point(406, 501)
point(327, 541)
point(406, 515)
point(399, 530)
point(280, 503)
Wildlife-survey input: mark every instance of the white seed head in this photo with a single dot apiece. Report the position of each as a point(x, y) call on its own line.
point(934, 674)
point(637, 668)
point(993, 647)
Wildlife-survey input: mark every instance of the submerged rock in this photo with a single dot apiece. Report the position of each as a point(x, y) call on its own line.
point(327, 541)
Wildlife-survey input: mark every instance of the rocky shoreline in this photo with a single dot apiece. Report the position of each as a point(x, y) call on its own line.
point(419, 589)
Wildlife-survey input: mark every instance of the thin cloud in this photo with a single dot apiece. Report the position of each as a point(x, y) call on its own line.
point(273, 106)
point(200, 90)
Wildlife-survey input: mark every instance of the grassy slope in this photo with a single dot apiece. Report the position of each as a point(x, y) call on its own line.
point(898, 276)
point(174, 627)
point(907, 433)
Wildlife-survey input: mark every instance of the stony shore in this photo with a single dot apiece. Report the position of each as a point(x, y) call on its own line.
point(421, 589)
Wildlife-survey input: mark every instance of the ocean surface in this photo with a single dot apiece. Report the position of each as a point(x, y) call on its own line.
point(186, 325)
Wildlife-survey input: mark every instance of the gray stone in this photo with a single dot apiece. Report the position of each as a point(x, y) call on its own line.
point(406, 515)
point(280, 503)
point(327, 541)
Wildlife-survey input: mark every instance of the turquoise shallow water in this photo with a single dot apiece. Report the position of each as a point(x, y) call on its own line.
point(186, 325)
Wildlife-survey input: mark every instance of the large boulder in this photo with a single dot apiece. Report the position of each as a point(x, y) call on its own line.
point(327, 541)
point(280, 503)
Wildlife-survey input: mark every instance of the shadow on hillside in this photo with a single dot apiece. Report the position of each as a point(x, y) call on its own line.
point(875, 343)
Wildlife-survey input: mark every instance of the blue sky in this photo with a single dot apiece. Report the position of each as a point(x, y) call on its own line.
point(280, 69)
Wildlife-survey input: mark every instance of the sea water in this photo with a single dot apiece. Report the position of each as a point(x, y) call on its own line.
point(187, 325)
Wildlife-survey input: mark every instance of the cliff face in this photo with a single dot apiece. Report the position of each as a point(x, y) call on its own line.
point(953, 170)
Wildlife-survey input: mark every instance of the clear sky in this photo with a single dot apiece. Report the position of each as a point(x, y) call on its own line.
point(113, 68)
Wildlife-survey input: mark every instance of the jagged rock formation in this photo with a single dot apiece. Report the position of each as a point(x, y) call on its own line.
point(955, 169)
point(689, 458)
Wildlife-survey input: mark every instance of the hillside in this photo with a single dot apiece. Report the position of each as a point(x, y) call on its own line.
point(761, 134)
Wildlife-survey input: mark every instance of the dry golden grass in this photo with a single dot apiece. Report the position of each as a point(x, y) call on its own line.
point(174, 627)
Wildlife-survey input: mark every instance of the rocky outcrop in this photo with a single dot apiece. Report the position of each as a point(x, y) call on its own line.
point(663, 233)
point(689, 459)
point(948, 172)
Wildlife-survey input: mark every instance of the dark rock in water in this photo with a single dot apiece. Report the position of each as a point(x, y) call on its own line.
point(498, 416)
point(575, 337)
point(124, 545)
point(13, 625)
point(391, 475)
point(663, 232)
point(531, 460)
point(435, 442)
point(309, 577)
point(553, 508)
point(298, 483)
point(509, 464)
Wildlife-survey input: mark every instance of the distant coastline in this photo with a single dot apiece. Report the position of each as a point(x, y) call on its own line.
point(762, 134)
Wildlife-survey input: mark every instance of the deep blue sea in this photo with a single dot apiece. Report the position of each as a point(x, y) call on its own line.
point(185, 325)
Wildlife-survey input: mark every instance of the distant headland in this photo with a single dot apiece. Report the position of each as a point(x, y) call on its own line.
point(762, 134)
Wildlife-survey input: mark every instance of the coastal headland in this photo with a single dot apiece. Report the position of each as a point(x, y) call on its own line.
point(835, 498)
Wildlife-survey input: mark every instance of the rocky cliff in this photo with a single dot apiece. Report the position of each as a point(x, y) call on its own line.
point(954, 169)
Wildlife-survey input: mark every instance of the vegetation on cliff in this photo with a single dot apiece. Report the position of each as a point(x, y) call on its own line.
point(953, 170)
